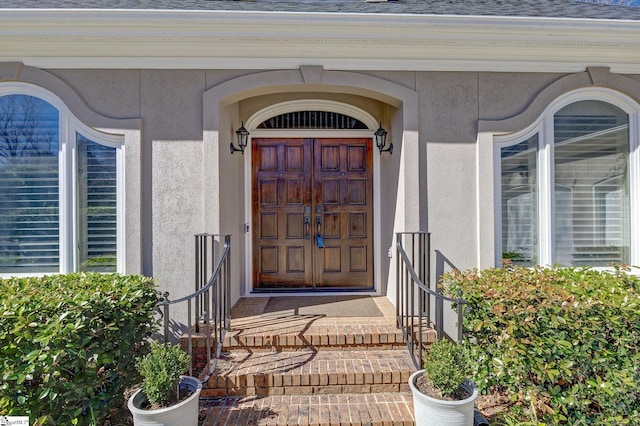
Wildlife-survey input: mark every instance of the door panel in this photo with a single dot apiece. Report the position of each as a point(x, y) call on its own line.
point(281, 190)
point(343, 183)
point(304, 187)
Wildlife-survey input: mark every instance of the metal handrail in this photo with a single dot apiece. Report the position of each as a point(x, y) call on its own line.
point(212, 299)
point(414, 295)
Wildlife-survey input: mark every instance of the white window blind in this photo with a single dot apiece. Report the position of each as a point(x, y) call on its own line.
point(29, 185)
point(97, 214)
point(519, 219)
point(591, 150)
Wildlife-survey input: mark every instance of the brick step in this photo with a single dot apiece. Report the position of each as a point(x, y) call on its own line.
point(378, 409)
point(322, 337)
point(310, 372)
point(319, 338)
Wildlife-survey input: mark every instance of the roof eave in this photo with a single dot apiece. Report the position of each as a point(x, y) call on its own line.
point(258, 40)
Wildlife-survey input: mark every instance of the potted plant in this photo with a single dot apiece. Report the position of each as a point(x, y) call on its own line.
point(442, 394)
point(166, 397)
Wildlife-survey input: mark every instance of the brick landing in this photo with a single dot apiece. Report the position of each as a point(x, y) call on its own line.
point(285, 369)
point(382, 409)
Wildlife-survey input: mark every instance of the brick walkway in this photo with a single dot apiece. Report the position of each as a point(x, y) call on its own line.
point(388, 409)
point(283, 369)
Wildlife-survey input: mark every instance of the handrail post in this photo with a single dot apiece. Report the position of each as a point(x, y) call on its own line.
point(189, 337)
point(460, 329)
point(439, 318)
point(427, 253)
point(398, 283)
point(227, 275)
point(165, 315)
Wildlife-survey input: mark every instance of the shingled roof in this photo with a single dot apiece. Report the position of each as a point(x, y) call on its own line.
point(580, 9)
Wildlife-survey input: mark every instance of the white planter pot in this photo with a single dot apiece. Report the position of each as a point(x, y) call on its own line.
point(436, 412)
point(183, 414)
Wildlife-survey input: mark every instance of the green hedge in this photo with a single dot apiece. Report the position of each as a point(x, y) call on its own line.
point(565, 341)
point(68, 344)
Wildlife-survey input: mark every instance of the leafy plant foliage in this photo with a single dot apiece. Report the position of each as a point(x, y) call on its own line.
point(68, 344)
point(445, 366)
point(564, 341)
point(161, 369)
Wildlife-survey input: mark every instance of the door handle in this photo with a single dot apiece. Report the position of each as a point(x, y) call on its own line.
point(319, 237)
point(307, 221)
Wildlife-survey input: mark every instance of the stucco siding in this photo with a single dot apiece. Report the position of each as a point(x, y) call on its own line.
point(177, 213)
point(187, 182)
point(114, 93)
point(448, 106)
point(502, 95)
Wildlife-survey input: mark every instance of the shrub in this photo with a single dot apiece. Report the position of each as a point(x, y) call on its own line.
point(565, 341)
point(68, 344)
point(161, 369)
point(445, 366)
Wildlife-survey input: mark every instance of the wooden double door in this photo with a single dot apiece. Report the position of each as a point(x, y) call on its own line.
point(312, 214)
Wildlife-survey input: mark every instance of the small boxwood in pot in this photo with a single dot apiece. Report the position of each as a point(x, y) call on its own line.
point(441, 393)
point(161, 369)
point(445, 369)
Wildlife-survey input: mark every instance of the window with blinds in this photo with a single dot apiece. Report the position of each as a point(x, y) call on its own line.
point(591, 150)
point(29, 185)
point(97, 213)
point(587, 189)
point(58, 214)
point(519, 219)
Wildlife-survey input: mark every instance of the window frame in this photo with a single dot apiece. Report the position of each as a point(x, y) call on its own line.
point(544, 127)
point(69, 127)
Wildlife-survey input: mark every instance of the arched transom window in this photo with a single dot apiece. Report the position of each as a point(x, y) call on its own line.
point(312, 120)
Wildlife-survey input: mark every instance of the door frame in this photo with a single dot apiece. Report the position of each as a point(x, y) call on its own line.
point(248, 205)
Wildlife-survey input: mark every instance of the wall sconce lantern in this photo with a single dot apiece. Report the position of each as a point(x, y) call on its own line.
point(381, 140)
point(243, 139)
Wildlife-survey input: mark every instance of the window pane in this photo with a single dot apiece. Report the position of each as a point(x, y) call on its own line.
point(591, 185)
point(312, 120)
point(96, 206)
point(29, 225)
point(519, 219)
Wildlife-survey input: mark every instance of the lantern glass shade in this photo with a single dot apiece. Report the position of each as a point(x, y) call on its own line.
point(381, 137)
point(243, 136)
point(243, 139)
point(381, 140)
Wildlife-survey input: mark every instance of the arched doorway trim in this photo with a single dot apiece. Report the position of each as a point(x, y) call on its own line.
point(311, 105)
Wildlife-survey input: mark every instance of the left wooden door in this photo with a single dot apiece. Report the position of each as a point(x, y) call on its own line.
point(282, 180)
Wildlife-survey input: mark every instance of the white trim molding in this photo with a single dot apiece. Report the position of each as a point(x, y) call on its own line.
point(170, 39)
